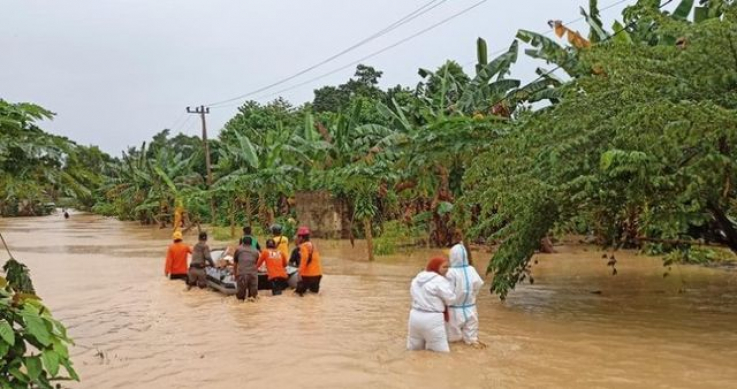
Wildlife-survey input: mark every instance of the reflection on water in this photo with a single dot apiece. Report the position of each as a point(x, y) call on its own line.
point(576, 327)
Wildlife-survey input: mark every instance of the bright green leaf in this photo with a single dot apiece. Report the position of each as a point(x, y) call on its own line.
point(6, 333)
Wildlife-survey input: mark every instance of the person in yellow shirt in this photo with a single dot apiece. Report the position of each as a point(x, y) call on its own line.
point(282, 242)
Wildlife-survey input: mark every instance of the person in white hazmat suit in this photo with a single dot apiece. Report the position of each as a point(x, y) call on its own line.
point(431, 293)
point(463, 323)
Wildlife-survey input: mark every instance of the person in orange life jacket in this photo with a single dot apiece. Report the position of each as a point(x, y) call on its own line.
point(310, 268)
point(201, 258)
point(175, 266)
point(247, 232)
point(431, 294)
point(275, 262)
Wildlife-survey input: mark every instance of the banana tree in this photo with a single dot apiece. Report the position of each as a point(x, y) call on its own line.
point(266, 172)
point(432, 146)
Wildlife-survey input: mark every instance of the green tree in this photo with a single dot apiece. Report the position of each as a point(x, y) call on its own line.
point(645, 149)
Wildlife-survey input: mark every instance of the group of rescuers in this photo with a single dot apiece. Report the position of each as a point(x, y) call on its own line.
point(443, 294)
point(248, 258)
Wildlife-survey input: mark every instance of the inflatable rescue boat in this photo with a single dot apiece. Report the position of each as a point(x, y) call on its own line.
point(222, 279)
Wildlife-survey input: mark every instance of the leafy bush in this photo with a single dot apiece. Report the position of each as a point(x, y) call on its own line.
point(699, 256)
point(223, 233)
point(394, 233)
point(33, 345)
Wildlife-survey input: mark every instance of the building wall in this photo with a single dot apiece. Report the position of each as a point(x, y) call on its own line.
point(319, 211)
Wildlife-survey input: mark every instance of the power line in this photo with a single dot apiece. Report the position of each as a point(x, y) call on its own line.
point(427, 7)
point(387, 48)
point(183, 128)
point(179, 118)
point(411, 37)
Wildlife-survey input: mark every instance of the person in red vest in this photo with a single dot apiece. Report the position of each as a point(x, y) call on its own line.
point(176, 258)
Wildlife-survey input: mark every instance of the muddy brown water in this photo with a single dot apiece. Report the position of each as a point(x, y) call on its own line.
point(576, 327)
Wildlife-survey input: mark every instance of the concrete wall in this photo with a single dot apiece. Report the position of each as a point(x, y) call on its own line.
point(319, 211)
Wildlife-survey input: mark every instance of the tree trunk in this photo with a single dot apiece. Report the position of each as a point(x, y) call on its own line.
point(249, 210)
point(546, 246)
point(369, 238)
point(262, 211)
point(729, 229)
point(442, 234)
point(467, 246)
point(232, 219)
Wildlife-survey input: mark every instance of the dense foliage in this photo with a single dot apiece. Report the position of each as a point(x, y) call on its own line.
point(626, 134)
point(37, 169)
point(642, 149)
point(33, 345)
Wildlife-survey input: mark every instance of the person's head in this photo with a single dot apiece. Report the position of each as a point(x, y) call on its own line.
point(270, 244)
point(177, 236)
point(457, 236)
point(438, 265)
point(203, 236)
point(303, 233)
point(247, 241)
point(247, 230)
point(276, 229)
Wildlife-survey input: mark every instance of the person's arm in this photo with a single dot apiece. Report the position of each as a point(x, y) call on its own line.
point(478, 282)
point(444, 291)
point(261, 259)
point(294, 257)
point(208, 256)
point(283, 259)
point(303, 258)
point(235, 262)
point(451, 279)
point(167, 264)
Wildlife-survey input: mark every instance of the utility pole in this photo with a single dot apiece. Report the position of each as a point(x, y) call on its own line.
point(202, 111)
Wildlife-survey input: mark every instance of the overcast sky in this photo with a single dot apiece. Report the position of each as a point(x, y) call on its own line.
point(118, 71)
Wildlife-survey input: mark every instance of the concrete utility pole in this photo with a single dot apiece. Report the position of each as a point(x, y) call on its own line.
point(202, 111)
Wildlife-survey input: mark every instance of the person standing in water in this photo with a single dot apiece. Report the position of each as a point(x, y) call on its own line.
point(248, 233)
point(310, 268)
point(282, 242)
point(431, 293)
point(176, 258)
point(463, 321)
point(201, 258)
point(275, 262)
point(245, 270)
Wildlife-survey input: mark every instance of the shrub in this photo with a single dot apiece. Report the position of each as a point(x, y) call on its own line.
point(33, 345)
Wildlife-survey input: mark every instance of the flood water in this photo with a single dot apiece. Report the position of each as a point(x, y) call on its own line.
point(576, 327)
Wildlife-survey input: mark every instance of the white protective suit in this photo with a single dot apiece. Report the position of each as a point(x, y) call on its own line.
point(431, 292)
point(466, 283)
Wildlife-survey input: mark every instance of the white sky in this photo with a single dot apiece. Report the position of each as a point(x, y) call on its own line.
point(118, 71)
